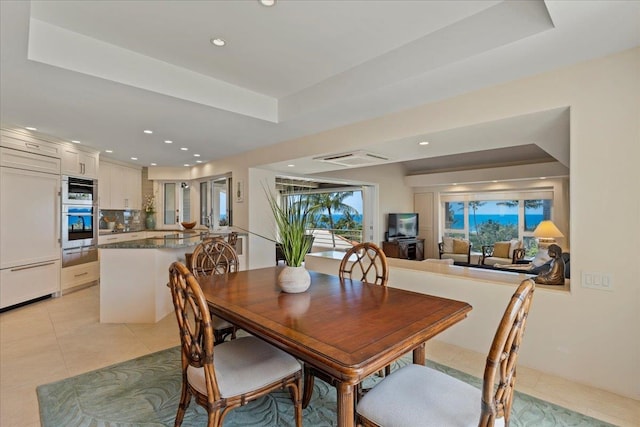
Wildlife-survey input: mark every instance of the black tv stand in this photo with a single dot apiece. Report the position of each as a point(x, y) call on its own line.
point(408, 248)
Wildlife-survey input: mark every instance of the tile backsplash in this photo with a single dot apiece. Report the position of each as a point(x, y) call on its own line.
point(131, 220)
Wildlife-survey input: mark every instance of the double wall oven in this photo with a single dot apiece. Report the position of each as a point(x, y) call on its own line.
point(79, 220)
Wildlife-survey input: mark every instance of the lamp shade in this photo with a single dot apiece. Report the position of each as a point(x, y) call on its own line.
point(547, 230)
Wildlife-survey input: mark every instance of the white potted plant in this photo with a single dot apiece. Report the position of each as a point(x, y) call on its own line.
point(293, 218)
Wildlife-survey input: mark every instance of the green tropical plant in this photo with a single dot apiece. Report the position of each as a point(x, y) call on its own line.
point(293, 217)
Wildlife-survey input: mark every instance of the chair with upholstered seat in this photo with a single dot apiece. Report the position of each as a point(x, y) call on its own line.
point(243, 369)
point(416, 395)
point(508, 252)
point(459, 250)
point(215, 256)
point(365, 262)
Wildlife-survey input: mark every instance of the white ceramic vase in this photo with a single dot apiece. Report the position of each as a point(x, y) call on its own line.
point(294, 279)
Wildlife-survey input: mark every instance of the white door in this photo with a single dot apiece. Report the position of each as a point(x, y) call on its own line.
point(29, 217)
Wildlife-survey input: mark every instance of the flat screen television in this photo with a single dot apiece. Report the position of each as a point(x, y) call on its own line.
point(402, 226)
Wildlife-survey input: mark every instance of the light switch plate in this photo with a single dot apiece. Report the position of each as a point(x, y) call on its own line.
point(597, 280)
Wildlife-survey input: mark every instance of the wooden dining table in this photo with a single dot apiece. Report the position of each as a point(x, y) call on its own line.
point(346, 330)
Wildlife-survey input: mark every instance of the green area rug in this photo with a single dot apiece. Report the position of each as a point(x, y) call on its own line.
point(145, 392)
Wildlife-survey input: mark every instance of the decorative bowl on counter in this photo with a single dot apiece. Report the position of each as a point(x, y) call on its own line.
point(189, 225)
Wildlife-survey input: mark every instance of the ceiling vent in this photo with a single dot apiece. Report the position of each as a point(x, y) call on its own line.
point(354, 158)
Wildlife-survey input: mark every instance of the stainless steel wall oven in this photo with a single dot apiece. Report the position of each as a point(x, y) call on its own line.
point(79, 191)
point(79, 228)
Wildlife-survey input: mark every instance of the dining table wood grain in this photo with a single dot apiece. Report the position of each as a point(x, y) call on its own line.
point(345, 329)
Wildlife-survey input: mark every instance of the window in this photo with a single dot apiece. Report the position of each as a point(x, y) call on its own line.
point(339, 221)
point(454, 215)
point(486, 218)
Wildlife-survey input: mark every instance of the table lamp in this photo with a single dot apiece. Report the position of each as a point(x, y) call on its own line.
point(546, 232)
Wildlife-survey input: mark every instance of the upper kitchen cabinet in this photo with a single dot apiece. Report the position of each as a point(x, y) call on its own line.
point(78, 162)
point(22, 140)
point(120, 187)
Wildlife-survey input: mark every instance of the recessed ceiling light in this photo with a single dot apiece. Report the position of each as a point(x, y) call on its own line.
point(217, 41)
point(134, 158)
point(187, 164)
point(30, 128)
point(494, 180)
point(168, 141)
point(147, 131)
point(154, 164)
point(108, 151)
point(290, 166)
point(423, 143)
point(196, 155)
point(268, 3)
point(75, 141)
point(543, 177)
point(198, 161)
point(184, 148)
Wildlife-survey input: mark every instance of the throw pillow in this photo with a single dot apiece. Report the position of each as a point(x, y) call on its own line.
point(460, 246)
point(513, 245)
point(447, 245)
point(501, 249)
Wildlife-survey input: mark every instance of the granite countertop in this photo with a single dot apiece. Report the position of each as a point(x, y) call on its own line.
point(169, 241)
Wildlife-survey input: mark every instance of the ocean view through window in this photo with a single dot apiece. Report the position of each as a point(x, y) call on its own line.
point(484, 219)
point(338, 222)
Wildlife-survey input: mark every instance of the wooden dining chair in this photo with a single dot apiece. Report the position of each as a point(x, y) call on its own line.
point(244, 369)
point(215, 256)
point(365, 262)
point(416, 395)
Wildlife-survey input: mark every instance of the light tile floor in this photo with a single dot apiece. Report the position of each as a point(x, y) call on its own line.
point(61, 337)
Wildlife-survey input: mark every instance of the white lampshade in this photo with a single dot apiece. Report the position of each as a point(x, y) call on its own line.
point(547, 230)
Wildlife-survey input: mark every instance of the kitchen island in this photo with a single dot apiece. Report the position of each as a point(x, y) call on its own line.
point(134, 276)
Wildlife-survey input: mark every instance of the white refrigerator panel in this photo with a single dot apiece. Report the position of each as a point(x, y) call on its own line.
point(29, 217)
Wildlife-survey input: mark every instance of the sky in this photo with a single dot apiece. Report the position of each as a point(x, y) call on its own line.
point(355, 201)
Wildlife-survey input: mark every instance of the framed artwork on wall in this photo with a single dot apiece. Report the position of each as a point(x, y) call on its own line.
point(239, 191)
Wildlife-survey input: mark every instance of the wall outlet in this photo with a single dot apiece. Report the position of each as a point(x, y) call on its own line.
point(596, 280)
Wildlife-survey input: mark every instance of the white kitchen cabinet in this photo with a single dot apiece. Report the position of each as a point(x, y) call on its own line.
point(77, 162)
point(120, 187)
point(27, 282)
point(29, 217)
point(28, 161)
point(25, 141)
point(81, 274)
point(104, 185)
point(121, 237)
point(29, 226)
